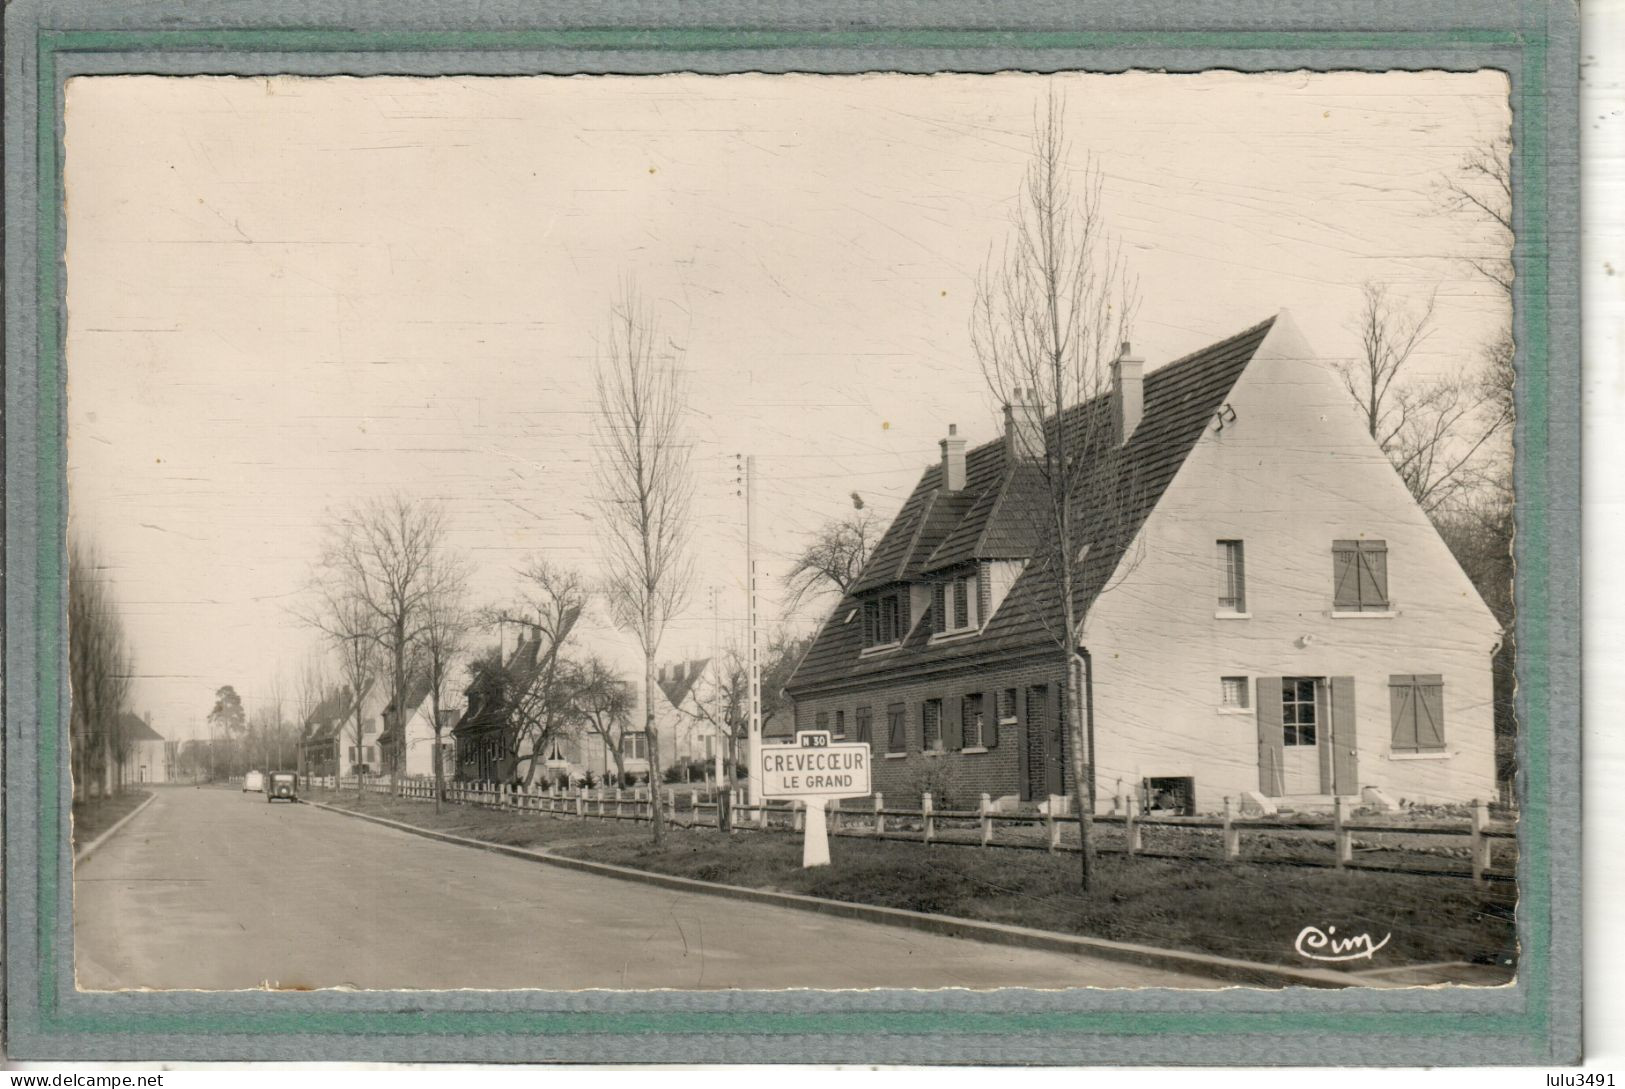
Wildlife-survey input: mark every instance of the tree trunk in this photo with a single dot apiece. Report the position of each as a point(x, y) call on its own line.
point(398, 728)
point(360, 752)
point(1078, 736)
point(656, 817)
point(439, 771)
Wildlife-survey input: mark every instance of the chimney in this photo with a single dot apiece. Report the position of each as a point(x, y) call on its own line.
point(1128, 391)
point(953, 461)
point(1023, 426)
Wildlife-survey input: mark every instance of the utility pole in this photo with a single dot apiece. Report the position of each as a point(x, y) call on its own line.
point(717, 708)
point(754, 738)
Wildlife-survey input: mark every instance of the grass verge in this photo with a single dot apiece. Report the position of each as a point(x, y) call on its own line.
point(1229, 909)
point(92, 818)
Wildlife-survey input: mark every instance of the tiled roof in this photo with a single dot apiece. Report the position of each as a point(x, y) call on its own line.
point(417, 690)
point(488, 708)
point(331, 715)
point(136, 729)
point(676, 686)
point(994, 518)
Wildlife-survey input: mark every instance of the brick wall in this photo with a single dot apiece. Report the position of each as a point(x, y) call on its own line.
point(999, 771)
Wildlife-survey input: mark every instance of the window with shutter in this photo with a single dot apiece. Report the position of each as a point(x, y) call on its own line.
point(939, 608)
point(840, 726)
point(871, 623)
point(1373, 574)
point(961, 603)
point(896, 729)
point(931, 725)
point(1416, 702)
point(865, 725)
point(971, 714)
point(1360, 576)
point(1007, 705)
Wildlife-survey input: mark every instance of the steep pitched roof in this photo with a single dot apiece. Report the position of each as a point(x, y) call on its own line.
point(417, 690)
point(136, 729)
point(677, 683)
point(489, 705)
point(991, 518)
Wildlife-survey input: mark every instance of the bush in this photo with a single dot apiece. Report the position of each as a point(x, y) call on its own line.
point(690, 770)
point(932, 775)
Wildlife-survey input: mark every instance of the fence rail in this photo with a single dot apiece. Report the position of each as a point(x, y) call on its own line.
point(695, 808)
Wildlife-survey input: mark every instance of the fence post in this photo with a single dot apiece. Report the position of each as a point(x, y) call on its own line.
point(1131, 827)
point(1481, 844)
point(1052, 830)
point(581, 803)
point(1345, 841)
point(928, 822)
point(880, 816)
point(987, 820)
point(796, 821)
point(1232, 834)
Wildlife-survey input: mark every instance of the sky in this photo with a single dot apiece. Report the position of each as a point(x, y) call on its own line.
point(288, 295)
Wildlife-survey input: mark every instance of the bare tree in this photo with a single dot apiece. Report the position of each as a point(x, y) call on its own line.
point(605, 701)
point(834, 556)
point(350, 626)
point(442, 639)
point(1435, 430)
point(1389, 335)
point(100, 668)
point(1481, 191)
point(311, 688)
point(1049, 318)
point(540, 690)
point(1479, 524)
point(386, 553)
point(643, 491)
point(722, 696)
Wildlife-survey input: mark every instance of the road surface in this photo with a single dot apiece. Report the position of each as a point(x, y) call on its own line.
point(214, 889)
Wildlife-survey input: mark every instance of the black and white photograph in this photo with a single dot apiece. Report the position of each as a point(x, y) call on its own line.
point(780, 531)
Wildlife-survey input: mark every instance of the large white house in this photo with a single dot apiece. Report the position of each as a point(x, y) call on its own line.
point(1272, 614)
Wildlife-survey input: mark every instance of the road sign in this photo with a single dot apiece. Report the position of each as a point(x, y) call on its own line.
point(815, 767)
point(817, 770)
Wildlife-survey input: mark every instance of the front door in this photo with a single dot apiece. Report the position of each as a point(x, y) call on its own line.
point(1044, 749)
point(1302, 734)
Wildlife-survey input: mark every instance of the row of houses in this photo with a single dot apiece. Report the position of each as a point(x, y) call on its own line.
point(471, 735)
point(1270, 614)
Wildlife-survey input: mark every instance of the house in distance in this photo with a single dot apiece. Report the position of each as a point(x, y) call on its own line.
point(1277, 617)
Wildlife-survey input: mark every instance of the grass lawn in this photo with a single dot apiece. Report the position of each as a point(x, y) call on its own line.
point(1231, 909)
point(92, 818)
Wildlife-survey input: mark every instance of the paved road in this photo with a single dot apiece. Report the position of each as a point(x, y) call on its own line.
point(214, 889)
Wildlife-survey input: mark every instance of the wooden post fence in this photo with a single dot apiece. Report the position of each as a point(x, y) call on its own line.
point(1345, 840)
point(1480, 847)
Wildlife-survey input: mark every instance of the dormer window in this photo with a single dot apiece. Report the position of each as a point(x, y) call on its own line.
point(885, 619)
point(954, 605)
